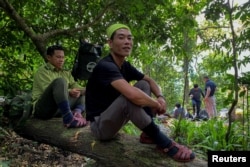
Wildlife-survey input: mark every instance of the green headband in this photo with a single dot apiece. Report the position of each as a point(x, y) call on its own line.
point(111, 29)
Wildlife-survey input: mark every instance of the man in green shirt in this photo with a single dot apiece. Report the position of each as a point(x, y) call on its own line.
point(55, 92)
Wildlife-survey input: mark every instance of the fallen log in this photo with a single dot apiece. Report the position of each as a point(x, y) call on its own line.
point(124, 151)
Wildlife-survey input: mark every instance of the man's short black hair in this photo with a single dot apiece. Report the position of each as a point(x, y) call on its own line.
point(178, 105)
point(51, 49)
point(206, 77)
point(196, 85)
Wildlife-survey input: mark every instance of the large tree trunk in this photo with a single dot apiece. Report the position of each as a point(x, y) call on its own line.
point(125, 150)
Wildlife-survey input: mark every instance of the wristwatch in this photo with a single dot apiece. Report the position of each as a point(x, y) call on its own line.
point(160, 95)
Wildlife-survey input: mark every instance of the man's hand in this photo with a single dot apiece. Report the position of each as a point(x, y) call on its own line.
point(75, 92)
point(205, 99)
point(163, 106)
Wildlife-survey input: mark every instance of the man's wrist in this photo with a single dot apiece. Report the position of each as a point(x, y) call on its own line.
point(160, 96)
point(82, 91)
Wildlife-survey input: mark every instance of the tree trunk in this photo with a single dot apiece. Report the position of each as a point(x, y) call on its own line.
point(124, 151)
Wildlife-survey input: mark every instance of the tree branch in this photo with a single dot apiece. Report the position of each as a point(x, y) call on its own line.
point(73, 30)
point(40, 40)
point(12, 13)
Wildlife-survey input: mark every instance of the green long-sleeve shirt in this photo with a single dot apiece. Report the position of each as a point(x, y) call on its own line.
point(45, 75)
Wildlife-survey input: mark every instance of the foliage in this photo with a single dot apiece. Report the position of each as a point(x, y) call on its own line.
point(18, 108)
point(170, 45)
point(205, 136)
point(162, 39)
point(131, 129)
point(245, 79)
point(152, 60)
point(210, 135)
point(16, 71)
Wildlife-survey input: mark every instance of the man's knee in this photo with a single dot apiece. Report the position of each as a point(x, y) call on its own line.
point(60, 80)
point(142, 84)
point(59, 83)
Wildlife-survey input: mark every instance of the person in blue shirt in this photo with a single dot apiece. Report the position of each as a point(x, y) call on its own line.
point(209, 99)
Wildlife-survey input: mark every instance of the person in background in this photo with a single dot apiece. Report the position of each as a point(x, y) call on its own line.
point(55, 93)
point(111, 101)
point(209, 99)
point(179, 111)
point(195, 95)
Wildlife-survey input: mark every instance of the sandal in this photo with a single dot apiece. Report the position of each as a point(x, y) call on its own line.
point(183, 154)
point(77, 121)
point(77, 115)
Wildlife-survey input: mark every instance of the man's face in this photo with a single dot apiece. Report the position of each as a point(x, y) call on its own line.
point(57, 59)
point(122, 43)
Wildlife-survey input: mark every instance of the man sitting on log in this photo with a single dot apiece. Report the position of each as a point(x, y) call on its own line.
point(55, 93)
point(111, 101)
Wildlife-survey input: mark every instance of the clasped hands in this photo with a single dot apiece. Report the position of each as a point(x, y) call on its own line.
point(161, 109)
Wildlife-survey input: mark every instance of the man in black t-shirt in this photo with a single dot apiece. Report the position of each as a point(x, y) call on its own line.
point(195, 94)
point(111, 101)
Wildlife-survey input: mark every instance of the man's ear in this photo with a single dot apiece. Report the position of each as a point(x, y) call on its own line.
point(48, 57)
point(110, 42)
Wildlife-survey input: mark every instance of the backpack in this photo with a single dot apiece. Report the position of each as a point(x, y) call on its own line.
point(86, 59)
point(18, 108)
point(204, 115)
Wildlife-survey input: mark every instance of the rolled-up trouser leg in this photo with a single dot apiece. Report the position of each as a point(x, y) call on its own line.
point(107, 125)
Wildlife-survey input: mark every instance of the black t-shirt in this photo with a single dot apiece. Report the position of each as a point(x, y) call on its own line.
point(99, 92)
point(196, 92)
point(212, 86)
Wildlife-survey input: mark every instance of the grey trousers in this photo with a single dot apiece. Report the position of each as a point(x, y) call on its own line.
point(107, 125)
point(47, 105)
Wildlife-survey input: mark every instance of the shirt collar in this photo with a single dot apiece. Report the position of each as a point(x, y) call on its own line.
point(49, 66)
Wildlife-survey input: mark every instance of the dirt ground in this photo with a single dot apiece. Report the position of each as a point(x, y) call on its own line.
point(16, 151)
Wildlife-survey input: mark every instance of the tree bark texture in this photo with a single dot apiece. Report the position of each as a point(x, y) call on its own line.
point(124, 151)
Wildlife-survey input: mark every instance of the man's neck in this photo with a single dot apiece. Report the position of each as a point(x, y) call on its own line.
point(118, 59)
